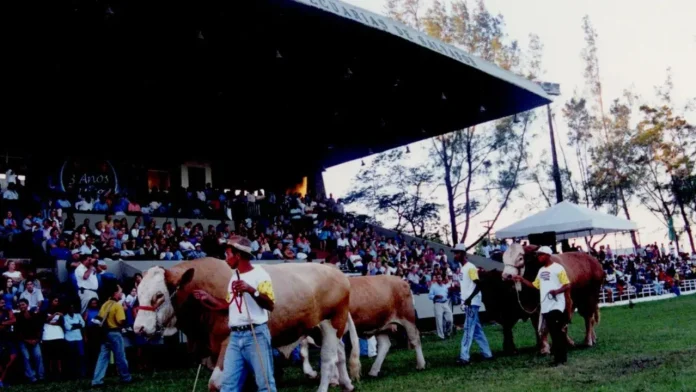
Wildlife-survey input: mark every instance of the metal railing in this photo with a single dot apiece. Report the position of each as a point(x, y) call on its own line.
point(648, 290)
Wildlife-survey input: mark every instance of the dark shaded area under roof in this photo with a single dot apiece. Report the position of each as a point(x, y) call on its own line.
point(250, 81)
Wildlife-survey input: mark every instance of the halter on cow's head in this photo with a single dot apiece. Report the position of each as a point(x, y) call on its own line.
point(514, 261)
point(156, 293)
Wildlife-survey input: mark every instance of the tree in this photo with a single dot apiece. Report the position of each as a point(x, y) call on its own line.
point(666, 141)
point(398, 193)
point(602, 141)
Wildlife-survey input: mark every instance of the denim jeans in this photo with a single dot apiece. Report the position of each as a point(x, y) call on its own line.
point(76, 364)
point(112, 344)
point(28, 352)
point(242, 356)
point(473, 331)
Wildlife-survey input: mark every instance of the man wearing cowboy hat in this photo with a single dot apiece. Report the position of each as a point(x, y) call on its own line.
point(471, 294)
point(249, 299)
point(552, 282)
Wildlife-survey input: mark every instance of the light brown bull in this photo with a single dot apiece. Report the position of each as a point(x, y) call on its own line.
point(377, 304)
point(307, 296)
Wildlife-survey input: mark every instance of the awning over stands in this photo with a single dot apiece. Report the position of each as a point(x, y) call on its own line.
point(567, 220)
point(293, 85)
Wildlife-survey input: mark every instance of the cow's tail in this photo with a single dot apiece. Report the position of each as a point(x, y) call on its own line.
point(354, 361)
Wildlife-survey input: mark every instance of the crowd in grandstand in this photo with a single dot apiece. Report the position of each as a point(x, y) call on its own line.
point(45, 322)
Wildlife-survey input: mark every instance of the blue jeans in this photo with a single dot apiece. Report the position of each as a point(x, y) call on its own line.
point(28, 352)
point(241, 356)
point(112, 344)
point(77, 358)
point(473, 331)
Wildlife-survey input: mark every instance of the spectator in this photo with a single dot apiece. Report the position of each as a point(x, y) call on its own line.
point(8, 352)
point(53, 340)
point(86, 278)
point(32, 296)
point(114, 318)
point(74, 324)
point(29, 328)
point(12, 273)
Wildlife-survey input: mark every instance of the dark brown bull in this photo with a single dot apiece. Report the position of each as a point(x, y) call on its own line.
point(507, 303)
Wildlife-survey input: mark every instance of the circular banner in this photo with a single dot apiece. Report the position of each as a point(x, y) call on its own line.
point(85, 176)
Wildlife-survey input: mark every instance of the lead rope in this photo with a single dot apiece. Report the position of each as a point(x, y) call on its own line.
point(197, 374)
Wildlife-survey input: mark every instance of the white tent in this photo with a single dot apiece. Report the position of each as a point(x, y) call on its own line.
point(567, 220)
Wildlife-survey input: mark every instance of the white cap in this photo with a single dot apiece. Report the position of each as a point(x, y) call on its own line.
point(545, 249)
point(459, 248)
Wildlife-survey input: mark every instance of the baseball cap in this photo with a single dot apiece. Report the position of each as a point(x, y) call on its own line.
point(545, 249)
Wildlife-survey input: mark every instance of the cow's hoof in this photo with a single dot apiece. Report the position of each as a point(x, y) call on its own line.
point(312, 375)
point(333, 383)
point(420, 367)
point(376, 374)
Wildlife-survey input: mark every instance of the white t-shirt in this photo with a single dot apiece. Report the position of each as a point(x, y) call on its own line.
point(551, 278)
point(467, 275)
point(90, 283)
point(259, 279)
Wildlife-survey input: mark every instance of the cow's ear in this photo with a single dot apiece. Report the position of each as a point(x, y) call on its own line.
point(531, 248)
point(187, 277)
point(178, 281)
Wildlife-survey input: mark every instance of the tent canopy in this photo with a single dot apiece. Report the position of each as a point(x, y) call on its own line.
point(567, 220)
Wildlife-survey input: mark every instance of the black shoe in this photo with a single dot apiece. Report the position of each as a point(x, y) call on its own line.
point(461, 362)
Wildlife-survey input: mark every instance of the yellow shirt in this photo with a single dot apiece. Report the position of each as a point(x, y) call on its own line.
point(116, 316)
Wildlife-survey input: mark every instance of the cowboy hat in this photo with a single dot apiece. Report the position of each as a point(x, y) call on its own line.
point(459, 248)
point(240, 243)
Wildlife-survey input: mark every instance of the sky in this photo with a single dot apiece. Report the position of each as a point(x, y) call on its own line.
point(638, 41)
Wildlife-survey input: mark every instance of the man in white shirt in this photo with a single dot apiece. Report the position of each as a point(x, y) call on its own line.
point(87, 283)
point(32, 295)
point(249, 299)
point(471, 295)
point(552, 282)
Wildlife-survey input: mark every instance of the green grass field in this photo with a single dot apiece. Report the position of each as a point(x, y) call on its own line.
point(649, 348)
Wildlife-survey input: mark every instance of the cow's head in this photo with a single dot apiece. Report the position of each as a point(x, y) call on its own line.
point(515, 260)
point(156, 312)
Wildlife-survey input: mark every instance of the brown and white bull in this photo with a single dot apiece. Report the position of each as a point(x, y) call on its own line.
point(507, 302)
point(306, 296)
point(377, 305)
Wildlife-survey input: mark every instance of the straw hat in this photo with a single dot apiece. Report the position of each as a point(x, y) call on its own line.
point(240, 243)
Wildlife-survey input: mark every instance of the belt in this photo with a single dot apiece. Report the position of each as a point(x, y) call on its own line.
point(242, 328)
point(441, 302)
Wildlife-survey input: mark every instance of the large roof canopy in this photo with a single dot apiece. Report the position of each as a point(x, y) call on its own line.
point(567, 220)
point(304, 84)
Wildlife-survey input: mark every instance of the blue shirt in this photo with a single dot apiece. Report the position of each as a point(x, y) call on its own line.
point(438, 289)
point(73, 335)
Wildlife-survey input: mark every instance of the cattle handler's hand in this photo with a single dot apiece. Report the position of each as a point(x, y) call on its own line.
point(242, 287)
point(201, 295)
point(467, 302)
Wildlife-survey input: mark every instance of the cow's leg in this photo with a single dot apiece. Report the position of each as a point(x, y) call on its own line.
point(329, 357)
point(338, 376)
point(383, 345)
point(215, 382)
point(306, 365)
point(509, 339)
point(415, 341)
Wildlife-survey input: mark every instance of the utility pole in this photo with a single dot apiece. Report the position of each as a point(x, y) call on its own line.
point(488, 224)
point(554, 157)
point(554, 89)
